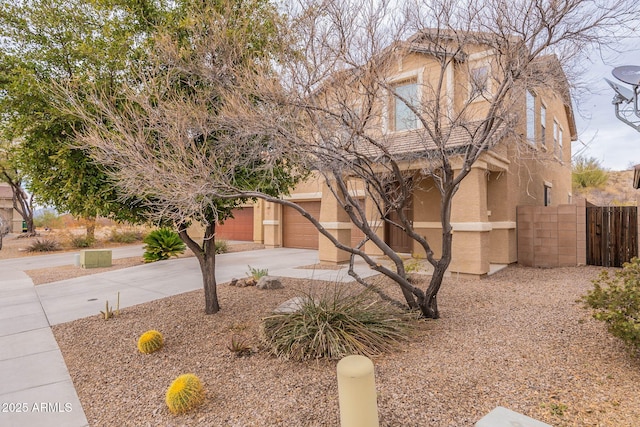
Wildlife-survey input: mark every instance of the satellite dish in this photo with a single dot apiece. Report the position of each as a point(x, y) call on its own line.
point(629, 74)
point(623, 93)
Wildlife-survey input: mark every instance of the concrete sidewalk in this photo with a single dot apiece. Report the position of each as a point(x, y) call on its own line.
point(36, 389)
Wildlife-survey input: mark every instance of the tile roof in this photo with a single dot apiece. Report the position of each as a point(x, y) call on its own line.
point(406, 144)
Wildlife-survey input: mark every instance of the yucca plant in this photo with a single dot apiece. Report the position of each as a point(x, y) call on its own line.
point(335, 325)
point(44, 245)
point(185, 393)
point(162, 244)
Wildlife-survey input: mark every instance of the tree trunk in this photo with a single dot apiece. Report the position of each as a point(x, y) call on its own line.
point(208, 268)
point(91, 228)
point(206, 256)
point(31, 228)
point(429, 305)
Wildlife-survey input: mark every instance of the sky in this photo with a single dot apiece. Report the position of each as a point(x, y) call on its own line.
point(600, 134)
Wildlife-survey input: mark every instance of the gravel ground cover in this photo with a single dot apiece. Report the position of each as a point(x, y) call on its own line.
point(517, 339)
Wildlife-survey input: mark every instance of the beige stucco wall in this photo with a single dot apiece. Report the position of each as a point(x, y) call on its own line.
point(484, 209)
point(8, 212)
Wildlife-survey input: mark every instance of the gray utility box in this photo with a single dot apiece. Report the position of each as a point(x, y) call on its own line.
point(503, 417)
point(94, 258)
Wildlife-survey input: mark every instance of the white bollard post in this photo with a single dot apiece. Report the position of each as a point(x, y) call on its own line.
point(357, 392)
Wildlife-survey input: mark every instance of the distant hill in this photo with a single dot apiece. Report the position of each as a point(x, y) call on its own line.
point(618, 191)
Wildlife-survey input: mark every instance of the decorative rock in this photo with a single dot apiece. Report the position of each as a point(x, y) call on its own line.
point(291, 306)
point(269, 282)
point(233, 282)
point(250, 281)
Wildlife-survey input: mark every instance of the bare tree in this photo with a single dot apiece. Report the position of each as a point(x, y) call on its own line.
point(340, 90)
point(326, 111)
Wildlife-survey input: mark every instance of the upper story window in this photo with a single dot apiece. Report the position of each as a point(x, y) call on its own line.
point(531, 117)
point(479, 83)
point(547, 194)
point(557, 139)
point(543, 125)
point(404, 118)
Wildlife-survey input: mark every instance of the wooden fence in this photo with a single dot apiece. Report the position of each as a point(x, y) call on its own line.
point(612, 235)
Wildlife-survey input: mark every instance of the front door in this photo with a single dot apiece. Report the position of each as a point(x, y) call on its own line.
point(397, 239)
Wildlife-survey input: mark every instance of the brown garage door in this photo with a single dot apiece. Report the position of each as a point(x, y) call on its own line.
point(298, 232)
point(240, 227)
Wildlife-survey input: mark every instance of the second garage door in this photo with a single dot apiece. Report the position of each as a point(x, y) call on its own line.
point(297, 231)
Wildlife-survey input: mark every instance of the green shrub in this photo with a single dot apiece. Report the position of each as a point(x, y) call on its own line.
point(44, 245)
point(81, 241)
point(257, 273)
point(335, 325)
point(162, 244)
point(222, 247)
point(47, 218)
point(616, 301)
point(127, 236)
point(185, 393)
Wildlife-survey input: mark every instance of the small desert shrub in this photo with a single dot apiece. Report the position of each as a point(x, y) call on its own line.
point(616, 301)
point(335, 325)
point(81, 241)
point(162, 244)
point(185, 393)
point(240, 346)
point(44, 245)
point(126, 236)
point(150, 341)
point(222, 247)
point(257, 273)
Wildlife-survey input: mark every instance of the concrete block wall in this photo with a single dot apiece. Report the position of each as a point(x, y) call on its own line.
point(552, 236)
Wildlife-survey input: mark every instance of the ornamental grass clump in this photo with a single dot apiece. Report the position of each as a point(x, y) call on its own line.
point(185, 393)
point(162, 244)
point(44, 245)
point(616, 301)
point(335, 325)
point(150, 342)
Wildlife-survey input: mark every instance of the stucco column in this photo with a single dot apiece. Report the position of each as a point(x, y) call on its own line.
point(471, 227)
point(258, 218)
point(336, 221)
point(271, 223)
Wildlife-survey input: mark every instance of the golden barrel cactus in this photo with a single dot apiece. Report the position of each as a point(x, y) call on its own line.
point(185, 393)
point(150, 341)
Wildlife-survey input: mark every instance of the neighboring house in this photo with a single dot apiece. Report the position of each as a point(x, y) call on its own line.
point(10, 215)
point(484, 208)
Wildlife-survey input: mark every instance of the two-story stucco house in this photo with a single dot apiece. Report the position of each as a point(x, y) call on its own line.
point(530, 165)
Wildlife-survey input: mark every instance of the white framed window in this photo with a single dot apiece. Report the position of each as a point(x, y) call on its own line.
point(547, 193)
point(557, 139)
point(479, 82)
point(543, 125)
point(406, 96)
point(531, 117)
